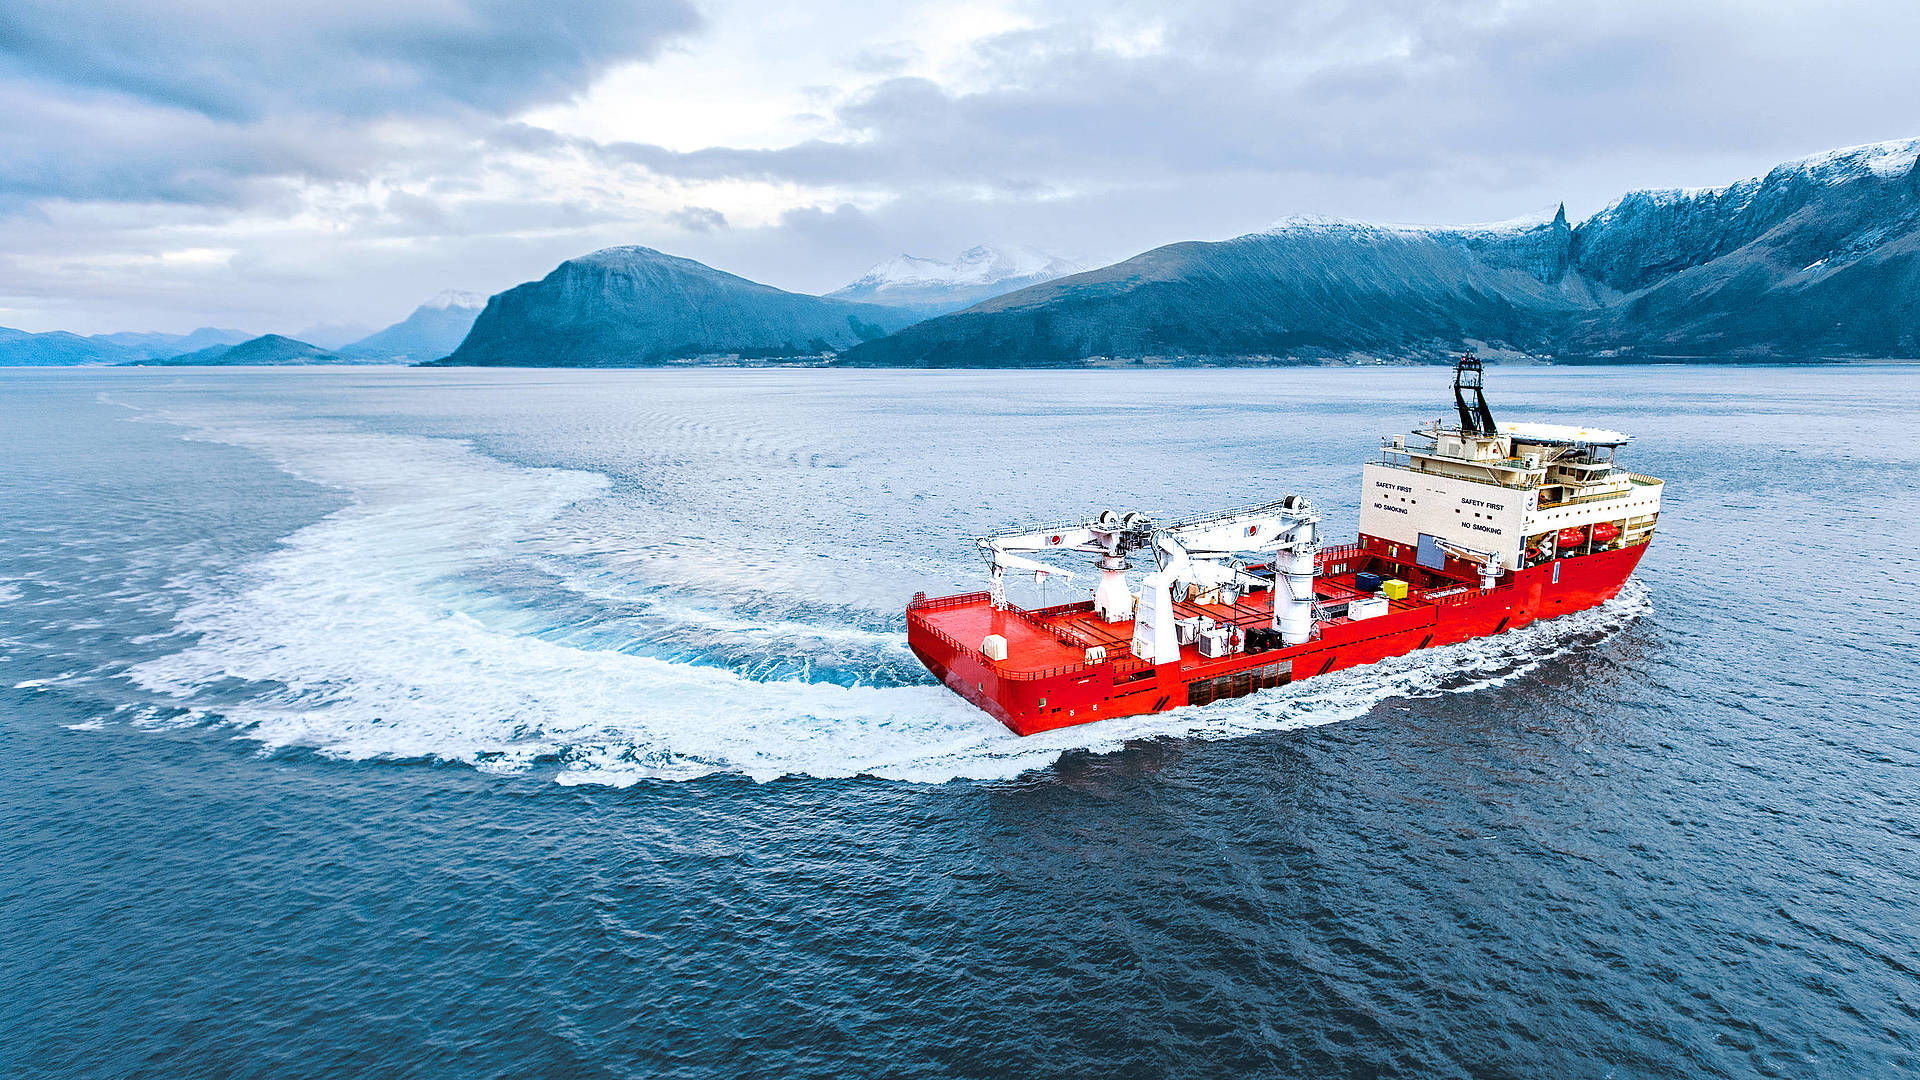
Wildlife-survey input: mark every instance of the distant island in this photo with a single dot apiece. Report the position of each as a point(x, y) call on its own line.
point(433, 330)
point(267, 350)
point(1817, 259)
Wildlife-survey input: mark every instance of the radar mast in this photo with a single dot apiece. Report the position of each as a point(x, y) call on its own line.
point(1477, 419)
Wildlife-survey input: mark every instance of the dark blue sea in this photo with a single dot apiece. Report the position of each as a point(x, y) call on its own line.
point(404, 723)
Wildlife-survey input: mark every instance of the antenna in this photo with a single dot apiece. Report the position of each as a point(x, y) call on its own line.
point(1477, 419)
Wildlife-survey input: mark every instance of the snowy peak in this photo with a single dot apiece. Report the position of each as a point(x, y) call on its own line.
point(433, 330)
point(1881, 159)
point(976, 266)
point(975, 274)
point(1831, 169)
point(1295, 224)
point(1818, 258)
point(454, 298)
point(903, 270)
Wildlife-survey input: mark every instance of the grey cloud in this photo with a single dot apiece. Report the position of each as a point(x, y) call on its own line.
point(1440, 93)
point(528, 138)
point(887, 60)
point(354, 58)
point(173, 101)
point(416, 211)
point(1244, 111)
point(697, 219)
point(114, 151)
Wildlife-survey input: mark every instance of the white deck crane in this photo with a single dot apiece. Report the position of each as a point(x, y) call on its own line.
point(1487, 562)
point(1201, 551)
point(1110, 536)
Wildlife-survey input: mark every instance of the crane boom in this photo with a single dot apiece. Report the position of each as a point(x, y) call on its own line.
point(1198, 551)
point(1109, 535)
point(1487, 561)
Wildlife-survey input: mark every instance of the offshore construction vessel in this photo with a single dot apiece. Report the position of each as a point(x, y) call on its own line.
point(1465, 531)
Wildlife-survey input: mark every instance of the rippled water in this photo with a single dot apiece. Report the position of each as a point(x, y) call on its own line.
point(521, 723)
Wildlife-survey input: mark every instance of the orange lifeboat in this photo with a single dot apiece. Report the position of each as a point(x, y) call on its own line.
point(1570, 538)
point(1605, 532)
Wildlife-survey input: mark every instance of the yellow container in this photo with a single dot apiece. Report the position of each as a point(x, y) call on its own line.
point(1394, 589)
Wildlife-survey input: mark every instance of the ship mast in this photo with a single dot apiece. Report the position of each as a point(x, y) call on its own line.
point(1477, 419)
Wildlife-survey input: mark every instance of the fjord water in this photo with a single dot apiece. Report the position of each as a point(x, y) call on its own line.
point(511, 723)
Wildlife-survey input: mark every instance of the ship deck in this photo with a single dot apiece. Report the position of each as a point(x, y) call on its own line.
point(1045, 639)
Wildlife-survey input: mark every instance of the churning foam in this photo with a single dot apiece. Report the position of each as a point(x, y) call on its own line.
point(357, 638)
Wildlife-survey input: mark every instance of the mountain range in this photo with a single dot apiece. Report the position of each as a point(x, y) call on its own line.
point(1819, 258)
point(1305, 287)
point(57, 347)
point(433, 330)
point(933, 287)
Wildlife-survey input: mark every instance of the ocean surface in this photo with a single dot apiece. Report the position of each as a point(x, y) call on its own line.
point(379, 722)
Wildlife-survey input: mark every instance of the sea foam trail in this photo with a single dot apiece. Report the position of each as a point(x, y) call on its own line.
point(357, 638)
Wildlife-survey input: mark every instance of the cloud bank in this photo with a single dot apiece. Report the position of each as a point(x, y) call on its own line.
point(166, 164)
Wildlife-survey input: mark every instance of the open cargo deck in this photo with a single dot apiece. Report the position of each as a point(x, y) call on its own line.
point(1048, 680)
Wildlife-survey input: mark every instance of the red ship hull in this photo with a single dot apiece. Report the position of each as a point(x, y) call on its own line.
point(1048, 682)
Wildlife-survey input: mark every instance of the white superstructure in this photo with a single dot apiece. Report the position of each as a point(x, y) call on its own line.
point(1508, 490)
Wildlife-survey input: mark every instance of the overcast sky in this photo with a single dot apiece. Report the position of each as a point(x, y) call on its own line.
point(166, 164)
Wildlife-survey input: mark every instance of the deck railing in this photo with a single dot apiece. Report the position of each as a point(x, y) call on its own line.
point(945, 638)
point(1489, 467)
point(1122, 663)
point(1340, 552)
point(938, 603)
point(1578, 499)
point(1460, 594)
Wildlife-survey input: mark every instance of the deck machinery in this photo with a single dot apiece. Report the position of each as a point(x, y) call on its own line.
point(1465, 530)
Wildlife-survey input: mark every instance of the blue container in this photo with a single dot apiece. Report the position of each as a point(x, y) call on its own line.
point(1367, 583)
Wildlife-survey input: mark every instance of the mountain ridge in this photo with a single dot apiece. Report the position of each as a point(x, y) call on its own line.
point(1817, 257)
point(267, 350)
point(59, 348)
point(932, 286)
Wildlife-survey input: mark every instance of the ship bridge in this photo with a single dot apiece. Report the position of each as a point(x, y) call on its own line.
point(1506, 494)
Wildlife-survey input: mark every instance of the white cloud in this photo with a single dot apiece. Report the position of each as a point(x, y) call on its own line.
point(474, 143)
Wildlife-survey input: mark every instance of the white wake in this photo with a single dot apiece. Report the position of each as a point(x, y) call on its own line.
point(356, 638)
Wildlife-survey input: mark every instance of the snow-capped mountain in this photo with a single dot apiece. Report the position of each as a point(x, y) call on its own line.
point(930, 286)
point(455, 298)
point(1305, 288)
point(435, 329)
point(1818, 258)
